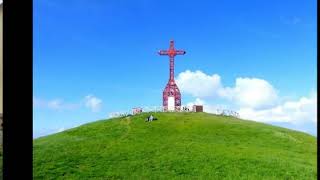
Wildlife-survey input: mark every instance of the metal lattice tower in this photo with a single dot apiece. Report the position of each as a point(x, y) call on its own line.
point(171, 94)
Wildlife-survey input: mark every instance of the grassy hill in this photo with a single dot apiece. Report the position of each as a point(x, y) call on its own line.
point(176, 146)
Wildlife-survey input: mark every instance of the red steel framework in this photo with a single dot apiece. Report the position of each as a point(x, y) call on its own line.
point(171, 89)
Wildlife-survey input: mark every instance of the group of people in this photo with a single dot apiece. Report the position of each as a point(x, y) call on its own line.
point(151, 118)
point(185, 109)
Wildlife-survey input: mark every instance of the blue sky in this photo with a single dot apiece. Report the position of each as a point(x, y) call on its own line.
point(92, 58)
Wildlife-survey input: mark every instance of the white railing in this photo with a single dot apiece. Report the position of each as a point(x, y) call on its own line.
point(222, 112)
point(227, 112)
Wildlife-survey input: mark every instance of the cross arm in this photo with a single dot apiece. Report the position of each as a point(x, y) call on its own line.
point(180, 52)
point(163, 52)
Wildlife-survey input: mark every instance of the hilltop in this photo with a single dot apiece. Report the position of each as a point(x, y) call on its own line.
point(176, 146)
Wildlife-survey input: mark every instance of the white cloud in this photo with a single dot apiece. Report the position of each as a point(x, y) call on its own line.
point(253, 98)
point(198, 101)
point(198, 84)
point(251, 92)
point(248, 92)
point(93, 103)
point(295, 112)
point(90, 102)
point(55, 104)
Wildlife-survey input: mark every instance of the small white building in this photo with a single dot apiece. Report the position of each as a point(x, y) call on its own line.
point(136, 110)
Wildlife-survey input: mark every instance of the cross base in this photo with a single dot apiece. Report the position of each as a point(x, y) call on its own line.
point(171, 97)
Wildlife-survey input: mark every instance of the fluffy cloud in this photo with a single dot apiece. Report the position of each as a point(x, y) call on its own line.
point(251, 92)
point(198, 84)
point(253, 98)
point(90, 102)
point(296, 112)
point(247, 92)
point(198, 101)
point(55, 104)
point(93, 103)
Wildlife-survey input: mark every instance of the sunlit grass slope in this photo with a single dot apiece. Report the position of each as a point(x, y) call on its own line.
point(176, 146)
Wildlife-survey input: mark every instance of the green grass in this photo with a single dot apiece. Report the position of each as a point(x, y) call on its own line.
point(176, 146)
